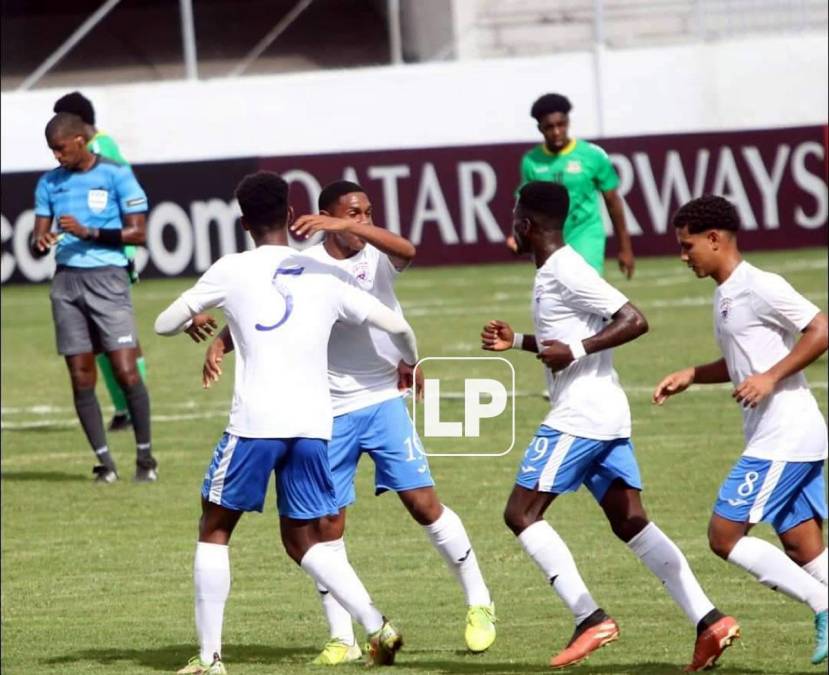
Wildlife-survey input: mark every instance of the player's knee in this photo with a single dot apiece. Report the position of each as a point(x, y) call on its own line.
point(720, 544)
point(127, 375)
point(516, 520)
point(423, 505)
point(627, 527)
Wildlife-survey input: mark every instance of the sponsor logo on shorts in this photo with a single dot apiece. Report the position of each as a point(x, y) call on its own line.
point(527, 469)
point(738, 502)
point(125, 339)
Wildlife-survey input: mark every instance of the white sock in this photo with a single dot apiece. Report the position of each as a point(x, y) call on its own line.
point(819, 567)
point(665, 560)
point(330, 571)
point(775, 569)
point(211, 574)
point(551, 554)
point(339, 620)
point(448, 536)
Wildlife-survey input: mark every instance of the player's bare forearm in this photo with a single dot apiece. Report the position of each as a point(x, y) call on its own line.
point(715, 372)
point(400, 249)
point(627, 324)
point(134, 229)
point(42, 239)
point(616, 211)
point(812, 344)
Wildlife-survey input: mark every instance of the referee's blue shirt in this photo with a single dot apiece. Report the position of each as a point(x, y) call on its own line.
point(99, 197)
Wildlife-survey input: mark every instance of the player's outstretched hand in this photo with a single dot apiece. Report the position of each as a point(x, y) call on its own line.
point(497, 336)
point(410, 377)
point(555, 355)
point(752, 390)
point(212, 368)
point(675, 383)
point(203, 327)
point(305, 226)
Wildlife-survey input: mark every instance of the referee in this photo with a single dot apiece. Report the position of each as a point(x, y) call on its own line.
point(98, 207)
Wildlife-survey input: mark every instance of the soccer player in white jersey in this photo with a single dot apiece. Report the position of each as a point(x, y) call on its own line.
point(280, 307)
point(585, 438)
point(767, 333)
point(367, 381)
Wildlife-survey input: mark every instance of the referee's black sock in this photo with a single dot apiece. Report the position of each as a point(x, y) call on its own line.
point(138, 403)
point(89, 414)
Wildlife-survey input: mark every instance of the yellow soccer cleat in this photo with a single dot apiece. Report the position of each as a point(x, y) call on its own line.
point(196, 666)
point(480, 628)
point(383, 645)
point(337, 651)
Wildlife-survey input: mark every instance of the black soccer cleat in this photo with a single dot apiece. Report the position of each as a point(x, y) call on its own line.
point(120, 422)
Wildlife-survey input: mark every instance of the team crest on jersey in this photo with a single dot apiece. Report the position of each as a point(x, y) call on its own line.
point(361, 273)
point(725, 307)
point(96, 200)
point(573, 166)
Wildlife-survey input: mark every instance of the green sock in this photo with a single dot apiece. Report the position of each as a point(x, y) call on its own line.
point(119, 401)
point(142, 370)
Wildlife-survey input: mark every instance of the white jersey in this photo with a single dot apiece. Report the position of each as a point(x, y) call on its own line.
point(572, 302)
point(280, 306)
point(758, 317)
point(362, 361)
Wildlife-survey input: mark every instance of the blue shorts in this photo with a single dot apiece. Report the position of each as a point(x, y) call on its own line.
point(238, 476)
point(556, 462)
point(385, 432)
point(783, 494)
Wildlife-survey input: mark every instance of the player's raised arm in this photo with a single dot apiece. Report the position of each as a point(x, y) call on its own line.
point(626, 324)
point(346, 211)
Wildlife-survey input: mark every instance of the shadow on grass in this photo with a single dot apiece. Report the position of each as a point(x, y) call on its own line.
point(172, 657)
point(39, 428)
point(47, 476)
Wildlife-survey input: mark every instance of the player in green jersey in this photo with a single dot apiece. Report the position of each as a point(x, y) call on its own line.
point(584, 169)
point(104, 145)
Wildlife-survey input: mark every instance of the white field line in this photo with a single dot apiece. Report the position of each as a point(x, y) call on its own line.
point(646, 277)
point(70, 422)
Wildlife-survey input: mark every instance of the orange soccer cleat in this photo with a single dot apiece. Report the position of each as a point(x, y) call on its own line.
point(594, 632)
point(712, 642)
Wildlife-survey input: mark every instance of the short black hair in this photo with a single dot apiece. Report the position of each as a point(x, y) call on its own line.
point(333, 191)
point(65, 124)
point(550, 103)
point(77, 104)
point(709, 212)
point(548, 200)
point(263, 199)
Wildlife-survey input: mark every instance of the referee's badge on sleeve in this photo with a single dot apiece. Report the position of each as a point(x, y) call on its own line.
point(97, 200)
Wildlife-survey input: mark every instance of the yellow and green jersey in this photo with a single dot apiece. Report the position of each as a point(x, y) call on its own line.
point(105, 145)
point(584, 169)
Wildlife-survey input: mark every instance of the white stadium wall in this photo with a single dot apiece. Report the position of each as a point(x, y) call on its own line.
point(438, 147)
point(759, 82)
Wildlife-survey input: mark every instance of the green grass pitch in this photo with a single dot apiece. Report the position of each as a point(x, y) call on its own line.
point(98, 579)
